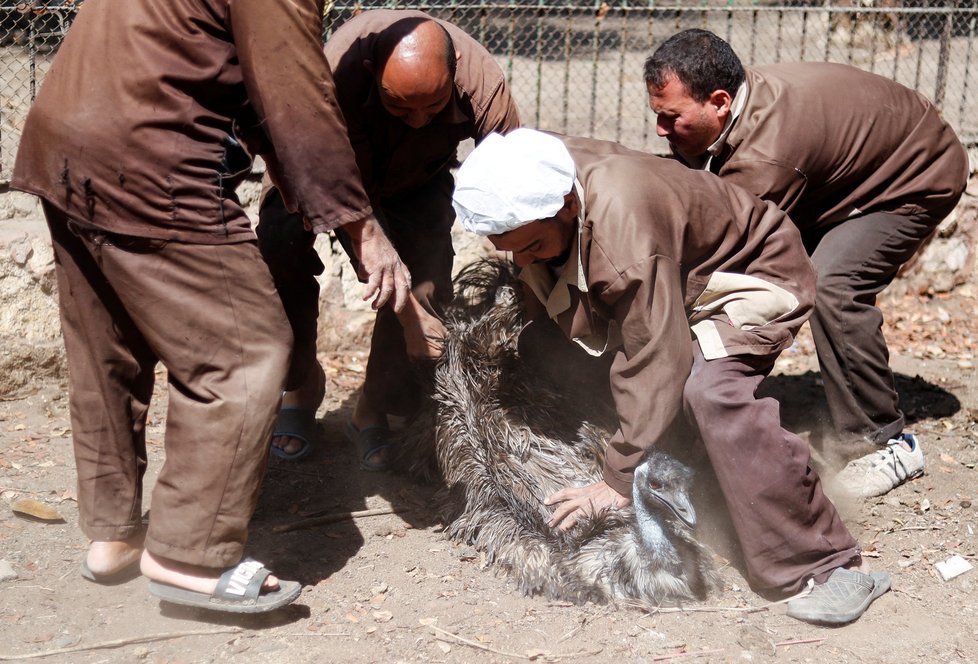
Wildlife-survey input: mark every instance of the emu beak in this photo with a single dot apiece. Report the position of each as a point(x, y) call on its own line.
point(678, 503)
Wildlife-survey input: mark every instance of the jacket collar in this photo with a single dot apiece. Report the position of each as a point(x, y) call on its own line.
point(736, 109)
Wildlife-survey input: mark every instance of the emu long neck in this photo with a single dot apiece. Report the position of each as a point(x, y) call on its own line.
point(651, 533)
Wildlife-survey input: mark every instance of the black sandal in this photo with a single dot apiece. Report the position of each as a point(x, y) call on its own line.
point(369, 441)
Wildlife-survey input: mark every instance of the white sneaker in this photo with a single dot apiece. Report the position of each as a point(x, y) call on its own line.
point(877, 473)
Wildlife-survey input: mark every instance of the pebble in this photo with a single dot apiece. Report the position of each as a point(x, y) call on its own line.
point(7, 572)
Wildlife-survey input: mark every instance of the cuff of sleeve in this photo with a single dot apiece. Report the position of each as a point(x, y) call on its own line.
point(321, 225)
point(620, 482)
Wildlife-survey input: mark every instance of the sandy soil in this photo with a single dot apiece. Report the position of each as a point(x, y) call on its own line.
point(390, 587)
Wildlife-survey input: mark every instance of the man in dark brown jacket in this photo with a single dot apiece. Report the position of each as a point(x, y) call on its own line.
point(866, 177)
point(144, 125)
point(411, 89)
point(695, 286)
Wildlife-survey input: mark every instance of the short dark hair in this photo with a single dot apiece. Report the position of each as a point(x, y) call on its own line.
point(700, 60)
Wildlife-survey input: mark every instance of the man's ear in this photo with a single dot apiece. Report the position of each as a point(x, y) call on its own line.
point(571, 207)
point(720, 101)
point(571, 203)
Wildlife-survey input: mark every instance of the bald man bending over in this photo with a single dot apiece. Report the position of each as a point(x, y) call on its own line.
point(410, 88)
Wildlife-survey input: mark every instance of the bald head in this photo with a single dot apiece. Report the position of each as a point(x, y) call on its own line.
point(415, 70)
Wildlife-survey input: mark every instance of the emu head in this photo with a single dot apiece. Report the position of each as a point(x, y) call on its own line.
point(661, 496)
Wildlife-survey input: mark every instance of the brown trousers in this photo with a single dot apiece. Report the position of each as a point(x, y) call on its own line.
point(419, 225)
point(788, 530)
point(211, 316)
point(855, 260)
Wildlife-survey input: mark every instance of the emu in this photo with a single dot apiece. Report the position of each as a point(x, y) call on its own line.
point(501, 438)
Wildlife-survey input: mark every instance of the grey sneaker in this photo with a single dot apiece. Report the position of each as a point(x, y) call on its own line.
point(877, 473)
point(841, 598)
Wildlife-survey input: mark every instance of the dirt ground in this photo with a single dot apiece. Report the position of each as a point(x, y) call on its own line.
point(391, 588)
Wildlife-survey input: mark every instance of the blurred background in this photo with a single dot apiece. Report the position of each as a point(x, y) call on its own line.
point(576, 67)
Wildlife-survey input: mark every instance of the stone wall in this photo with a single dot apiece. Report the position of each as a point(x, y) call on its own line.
point(30, 332)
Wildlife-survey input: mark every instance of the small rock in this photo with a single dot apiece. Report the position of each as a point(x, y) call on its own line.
point(64, 641)
point(7, 572)
point(952, 567)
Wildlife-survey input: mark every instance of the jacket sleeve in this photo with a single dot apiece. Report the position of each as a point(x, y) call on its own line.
point(650, 370)
point(500, 115)
point(779, 183)
point(290, 88)
point(363, 152)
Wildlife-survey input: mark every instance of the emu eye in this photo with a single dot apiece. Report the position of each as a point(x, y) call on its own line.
point(654, 485)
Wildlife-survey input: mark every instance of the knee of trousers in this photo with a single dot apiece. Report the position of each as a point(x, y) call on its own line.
point(706, 397)
point(834, 288)
point(834, 296)
point(273, 365)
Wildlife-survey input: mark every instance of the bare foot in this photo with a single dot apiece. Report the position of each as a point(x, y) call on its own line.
point(190, 577)
point(288, 444)
point(107, 558)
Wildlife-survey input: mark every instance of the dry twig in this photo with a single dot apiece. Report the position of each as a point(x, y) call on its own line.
point(117, 643)
point(486, 648)
point(678, 655)
point(796, 642)
point(336, 518)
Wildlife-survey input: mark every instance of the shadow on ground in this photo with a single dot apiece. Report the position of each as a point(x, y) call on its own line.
point(803, 406)
point(330, 484)
point(327, 485)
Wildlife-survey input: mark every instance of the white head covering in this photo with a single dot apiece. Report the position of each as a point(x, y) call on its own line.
point(511, 180)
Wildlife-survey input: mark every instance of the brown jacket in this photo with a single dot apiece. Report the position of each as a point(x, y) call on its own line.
point(394, 158)
point(663, 249)
point(133, 130)
point(826, 141)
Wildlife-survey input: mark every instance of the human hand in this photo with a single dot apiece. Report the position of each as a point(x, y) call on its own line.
point(577, 502)
point(423, 332)
point(380, 265)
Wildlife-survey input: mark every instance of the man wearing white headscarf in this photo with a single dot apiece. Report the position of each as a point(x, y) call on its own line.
point(695, 286)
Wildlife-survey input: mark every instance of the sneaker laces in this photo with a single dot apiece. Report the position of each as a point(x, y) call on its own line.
point(893, 458)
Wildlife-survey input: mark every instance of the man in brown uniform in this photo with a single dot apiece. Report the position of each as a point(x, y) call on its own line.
point(135, 144)
point(866, 181)
point(411, 89)
point(695, 285)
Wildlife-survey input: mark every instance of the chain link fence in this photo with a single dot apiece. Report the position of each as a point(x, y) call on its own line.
point(576, 68)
